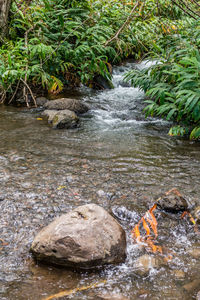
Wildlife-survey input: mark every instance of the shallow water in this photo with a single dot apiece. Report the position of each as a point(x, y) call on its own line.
point(116, 159)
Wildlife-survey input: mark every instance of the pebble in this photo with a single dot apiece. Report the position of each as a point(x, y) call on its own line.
point(144, 264)
point(195, 253)
point(179, 274)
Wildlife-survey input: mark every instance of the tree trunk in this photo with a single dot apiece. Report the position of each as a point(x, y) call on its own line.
point(4, 10)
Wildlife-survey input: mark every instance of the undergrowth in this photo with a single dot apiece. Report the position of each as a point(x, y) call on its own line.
point(56, 43)
point(172, 85)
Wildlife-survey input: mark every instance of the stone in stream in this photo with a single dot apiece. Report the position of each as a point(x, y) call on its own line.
point(49, 114)
point(195, 253)
point(173, 203)
point(61, 119)
point(84, 238)
point(41, 101)
point(67, 103)
point(145, 263)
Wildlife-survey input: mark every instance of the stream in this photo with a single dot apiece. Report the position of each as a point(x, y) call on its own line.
point(117, 159)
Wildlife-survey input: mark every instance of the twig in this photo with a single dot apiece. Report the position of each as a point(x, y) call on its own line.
point(73, 291)
point(4, 94)
point(124, 25)
point(192, 11)
point(13, 96)
point(28, 87)
point(185, 11)
point(26, 71)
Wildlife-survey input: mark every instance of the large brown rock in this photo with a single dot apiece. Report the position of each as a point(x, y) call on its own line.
point(85, 238)
point(61, 118)
point(67, 103)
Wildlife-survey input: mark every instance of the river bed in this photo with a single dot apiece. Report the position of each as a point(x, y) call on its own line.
point(118, 159)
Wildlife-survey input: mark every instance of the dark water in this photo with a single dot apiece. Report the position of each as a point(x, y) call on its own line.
point(115, 154)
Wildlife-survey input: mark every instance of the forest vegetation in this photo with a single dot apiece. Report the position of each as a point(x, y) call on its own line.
point(51, 44)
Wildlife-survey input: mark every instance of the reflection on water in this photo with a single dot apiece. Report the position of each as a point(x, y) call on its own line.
point(116, 158)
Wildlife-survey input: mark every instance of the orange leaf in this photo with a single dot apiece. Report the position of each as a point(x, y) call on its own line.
point(146, 227)
point(152, 221)
point(136, 233)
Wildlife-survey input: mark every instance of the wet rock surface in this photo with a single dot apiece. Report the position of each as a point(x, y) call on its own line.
point(173, 203)
point(195, 252)
point(65, 119)
point(144, 264)
point(66, 103)
point(49, 114)
point(61, 119)
point(84, 238)
point(41, 101)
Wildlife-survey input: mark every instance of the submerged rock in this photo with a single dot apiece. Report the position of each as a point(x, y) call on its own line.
point(61, 119)
point(67, 103)
point(172, 203)
point(49, 114)
point(85, 238)
point(195, 253)
point(65, 119)
point(144, 264)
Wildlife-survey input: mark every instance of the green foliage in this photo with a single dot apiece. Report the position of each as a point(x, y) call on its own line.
point(173, 84)
point(66, 39)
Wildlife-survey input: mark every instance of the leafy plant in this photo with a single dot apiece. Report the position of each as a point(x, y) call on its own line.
point(172, 85)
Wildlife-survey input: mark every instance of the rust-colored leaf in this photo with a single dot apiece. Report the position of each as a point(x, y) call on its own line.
point(149, 216)
point(136, 233)
point(146, 227)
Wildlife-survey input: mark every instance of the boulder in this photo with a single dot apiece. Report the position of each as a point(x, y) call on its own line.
point(65, 119)
point(49, 114)
point(41, 101)
point(61, 119)
point(84, 238)
point(67, 103)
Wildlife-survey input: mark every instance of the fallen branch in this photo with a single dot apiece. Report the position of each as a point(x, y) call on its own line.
point(73, 291)
point(124, 25)
point(28, 87)
point(15, 92)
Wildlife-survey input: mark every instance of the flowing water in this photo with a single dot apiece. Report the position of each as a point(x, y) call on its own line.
point(117, 159)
